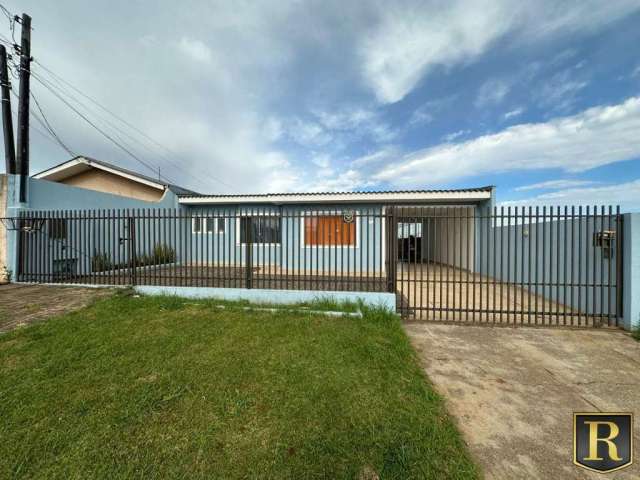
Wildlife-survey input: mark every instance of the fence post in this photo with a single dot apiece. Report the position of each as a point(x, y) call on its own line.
point(248, 253)
point(391, 253)
point(132, 251)
point(630, 266)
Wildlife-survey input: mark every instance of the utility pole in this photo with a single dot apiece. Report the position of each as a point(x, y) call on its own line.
point(7, 121)
point(23, 106)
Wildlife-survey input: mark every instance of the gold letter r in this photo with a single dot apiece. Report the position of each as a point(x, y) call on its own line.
point(594, 439)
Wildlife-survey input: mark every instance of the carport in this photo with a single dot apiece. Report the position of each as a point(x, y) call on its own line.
point(482, 264)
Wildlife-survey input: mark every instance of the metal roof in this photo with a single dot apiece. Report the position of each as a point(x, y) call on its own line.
point(454, 195)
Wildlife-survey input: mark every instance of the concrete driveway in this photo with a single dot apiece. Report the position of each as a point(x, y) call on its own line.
point(514, 391)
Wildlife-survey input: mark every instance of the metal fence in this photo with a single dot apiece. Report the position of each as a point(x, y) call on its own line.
point(328, 250)
point(511, 265)
point(527, 265)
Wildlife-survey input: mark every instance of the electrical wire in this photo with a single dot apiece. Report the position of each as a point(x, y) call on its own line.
point(50, 128)
point(98, 129)
point(88, 111)
point(46, 125)
point(119, 142)
point(62, 91)
point(128, 124)
point(47, 135)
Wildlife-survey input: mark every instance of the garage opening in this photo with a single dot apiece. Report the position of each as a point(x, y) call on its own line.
point(537, 266)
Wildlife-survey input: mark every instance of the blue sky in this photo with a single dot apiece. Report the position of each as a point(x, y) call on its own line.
point(541, 99)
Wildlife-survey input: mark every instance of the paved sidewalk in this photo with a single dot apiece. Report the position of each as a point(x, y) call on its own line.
point(22, 304)
point(514, 391)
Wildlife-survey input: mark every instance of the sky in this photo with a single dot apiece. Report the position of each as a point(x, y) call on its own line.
point(540, 99)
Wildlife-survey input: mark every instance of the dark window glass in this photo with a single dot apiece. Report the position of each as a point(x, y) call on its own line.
point(221, 225)
point(58, 228)
point(261, 229)
point(197, 225)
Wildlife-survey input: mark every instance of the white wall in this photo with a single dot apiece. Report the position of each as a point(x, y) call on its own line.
point(451, 238)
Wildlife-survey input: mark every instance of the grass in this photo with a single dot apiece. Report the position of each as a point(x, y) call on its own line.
point(636, 334)
point(171, 388)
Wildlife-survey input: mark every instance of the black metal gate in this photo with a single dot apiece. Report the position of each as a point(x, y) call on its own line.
point(559, 266)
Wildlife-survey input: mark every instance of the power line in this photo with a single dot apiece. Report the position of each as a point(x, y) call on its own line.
point(125, 122)
point(88, 111)
point(102, 132)
point(47, 135)
point(62, 91)
point(50, 133)
point(50, 128)
point(120, 143)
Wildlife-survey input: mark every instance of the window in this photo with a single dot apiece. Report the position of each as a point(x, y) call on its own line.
point(211, 225)
point(261, 229)
point(57, 228)
point(329, 230)
point(221, 225)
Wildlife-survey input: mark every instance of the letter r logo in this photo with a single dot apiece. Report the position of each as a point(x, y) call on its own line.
point(594, 439)
point(603, 442)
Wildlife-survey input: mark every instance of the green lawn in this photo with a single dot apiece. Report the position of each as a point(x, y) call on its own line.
point(170, 388)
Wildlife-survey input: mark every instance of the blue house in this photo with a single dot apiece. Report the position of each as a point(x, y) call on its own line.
point(328, 233)
point(442, 254)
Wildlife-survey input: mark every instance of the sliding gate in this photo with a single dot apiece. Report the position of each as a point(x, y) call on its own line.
point(558, 266)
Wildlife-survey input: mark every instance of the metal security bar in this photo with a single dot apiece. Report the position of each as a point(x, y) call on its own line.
point(268, 248)
point(510, 265)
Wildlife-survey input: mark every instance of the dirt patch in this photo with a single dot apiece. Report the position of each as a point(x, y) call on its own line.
point(514, 391)
point(24, 304)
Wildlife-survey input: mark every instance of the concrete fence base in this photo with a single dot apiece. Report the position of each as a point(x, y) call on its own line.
point(265, 296)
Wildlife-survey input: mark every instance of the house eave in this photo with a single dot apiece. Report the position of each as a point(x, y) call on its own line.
point(82, 164)
point(436, 197)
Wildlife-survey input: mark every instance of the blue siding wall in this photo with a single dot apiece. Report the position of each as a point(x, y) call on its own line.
point(569, 256)
point(60, 199)
point(367, 255)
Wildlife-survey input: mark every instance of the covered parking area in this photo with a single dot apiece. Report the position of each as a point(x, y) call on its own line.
point(480, 264)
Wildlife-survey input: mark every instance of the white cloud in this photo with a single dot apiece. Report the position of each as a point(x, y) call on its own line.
point(421, 116)
point(627, 195)
point(516, 112)
point(387, 154)
point(273, 129)
point(594, 137)
point(561, 91)
point(308, 133)
point(195, 49)
point(356, 122)
point(322, 161)
point(452, 136)
point(555, 185)
point(492, 92)
point(409, 41)
point(221, 95)
point(345, 181)
point(426, 112)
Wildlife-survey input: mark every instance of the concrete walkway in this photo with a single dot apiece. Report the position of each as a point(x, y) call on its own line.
point(514, 391)
point(21, 304)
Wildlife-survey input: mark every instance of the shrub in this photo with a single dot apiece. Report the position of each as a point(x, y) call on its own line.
point(100, 262)
point(163, 254)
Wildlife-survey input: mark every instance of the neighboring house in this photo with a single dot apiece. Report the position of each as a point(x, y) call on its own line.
point(92, 174)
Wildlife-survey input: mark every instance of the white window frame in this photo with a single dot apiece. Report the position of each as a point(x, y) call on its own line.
point(257, 215)
point(331, 213)
point(203, 223)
